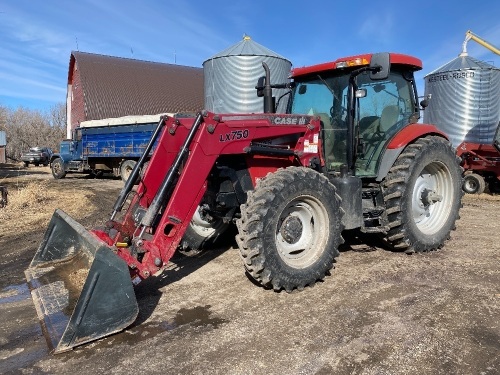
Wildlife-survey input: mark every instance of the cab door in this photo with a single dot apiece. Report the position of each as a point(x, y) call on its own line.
point(386, 108)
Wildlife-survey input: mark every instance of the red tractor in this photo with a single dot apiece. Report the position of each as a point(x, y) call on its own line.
point(348, 154)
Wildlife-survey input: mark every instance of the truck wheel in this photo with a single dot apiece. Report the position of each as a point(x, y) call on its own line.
point(126, 169)
point(58, 169)
point(290, 229)
point(201, 234)
point(473, 184)
point(423, 195)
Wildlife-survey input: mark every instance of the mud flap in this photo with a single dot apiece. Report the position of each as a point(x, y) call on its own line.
point(82, 291)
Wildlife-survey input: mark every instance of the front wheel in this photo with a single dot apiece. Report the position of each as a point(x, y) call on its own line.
point(290, 229)
point(58, 169)
point(423, 192)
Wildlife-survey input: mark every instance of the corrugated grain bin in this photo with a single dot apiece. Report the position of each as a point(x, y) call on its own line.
point(465, 100)
point(231, 77)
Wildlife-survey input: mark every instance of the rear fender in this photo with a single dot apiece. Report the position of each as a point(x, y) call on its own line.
point(398, 143)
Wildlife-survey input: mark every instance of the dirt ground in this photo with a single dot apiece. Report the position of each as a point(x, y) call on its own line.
point(380, 312)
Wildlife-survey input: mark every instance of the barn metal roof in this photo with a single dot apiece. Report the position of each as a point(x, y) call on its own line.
point(115, 86)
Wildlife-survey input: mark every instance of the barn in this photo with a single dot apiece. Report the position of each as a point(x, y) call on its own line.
point(101, 86)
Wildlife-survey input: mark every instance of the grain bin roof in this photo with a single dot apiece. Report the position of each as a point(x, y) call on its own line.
point(247, 47)
point(463, 63)
point(115, 86)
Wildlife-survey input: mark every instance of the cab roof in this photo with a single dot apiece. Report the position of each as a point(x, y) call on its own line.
point(359, 60)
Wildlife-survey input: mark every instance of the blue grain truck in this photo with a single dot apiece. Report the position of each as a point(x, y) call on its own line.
point(104, 146)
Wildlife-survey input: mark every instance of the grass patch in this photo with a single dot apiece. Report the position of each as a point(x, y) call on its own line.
point(32, 204)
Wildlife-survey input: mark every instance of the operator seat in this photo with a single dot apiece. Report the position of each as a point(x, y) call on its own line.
point(389, 117)
point(373, 131)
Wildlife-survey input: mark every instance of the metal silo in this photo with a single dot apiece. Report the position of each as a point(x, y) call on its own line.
point(231, 77)
point(465, 100)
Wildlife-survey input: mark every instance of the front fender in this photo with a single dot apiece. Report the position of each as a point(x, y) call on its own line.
point(403, 138)
point(55, 156)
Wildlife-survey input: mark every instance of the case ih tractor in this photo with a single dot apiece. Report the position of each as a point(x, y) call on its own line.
point(347, 155)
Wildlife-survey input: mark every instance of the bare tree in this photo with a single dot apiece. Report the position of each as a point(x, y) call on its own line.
point(27, 128)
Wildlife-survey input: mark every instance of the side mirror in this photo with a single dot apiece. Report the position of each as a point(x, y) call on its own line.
point(424, 103)
point(381, 65)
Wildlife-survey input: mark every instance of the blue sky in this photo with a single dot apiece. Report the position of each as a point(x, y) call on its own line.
point(37, 37)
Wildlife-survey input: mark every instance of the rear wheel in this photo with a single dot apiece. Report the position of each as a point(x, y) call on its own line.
point(290, 229)
point(58, 169)
point(473, 184)
point(423, 195)
point(126, 169)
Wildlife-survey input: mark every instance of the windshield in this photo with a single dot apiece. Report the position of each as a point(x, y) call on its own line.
point(320, 96)
point(326, 97)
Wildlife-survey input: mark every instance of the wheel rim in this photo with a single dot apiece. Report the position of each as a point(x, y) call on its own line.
point(203, 227)
point(432, 198)
point(128, 171)
point(470, 185)
point(302, 232)
point(57, 168)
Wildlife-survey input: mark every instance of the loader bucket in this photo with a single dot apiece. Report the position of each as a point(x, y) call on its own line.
point(81, 290)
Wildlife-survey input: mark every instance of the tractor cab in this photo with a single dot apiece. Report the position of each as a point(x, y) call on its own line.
point(354, 103)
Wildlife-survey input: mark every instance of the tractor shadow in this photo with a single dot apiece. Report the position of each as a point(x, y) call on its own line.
point(182, 264)
point(355, 240)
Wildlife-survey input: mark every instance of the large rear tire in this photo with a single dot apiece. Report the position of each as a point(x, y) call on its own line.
point(423, 192)
point(290, 229)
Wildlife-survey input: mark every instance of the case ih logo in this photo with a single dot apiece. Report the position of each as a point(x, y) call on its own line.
point(290, 120)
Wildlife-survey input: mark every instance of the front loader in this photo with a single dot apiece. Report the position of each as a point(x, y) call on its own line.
point(347, 155)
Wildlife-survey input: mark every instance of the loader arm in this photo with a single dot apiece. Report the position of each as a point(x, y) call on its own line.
point(149, 247)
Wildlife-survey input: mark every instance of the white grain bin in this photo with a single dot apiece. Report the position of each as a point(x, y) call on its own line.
point(465, 100)
point(231, 77)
